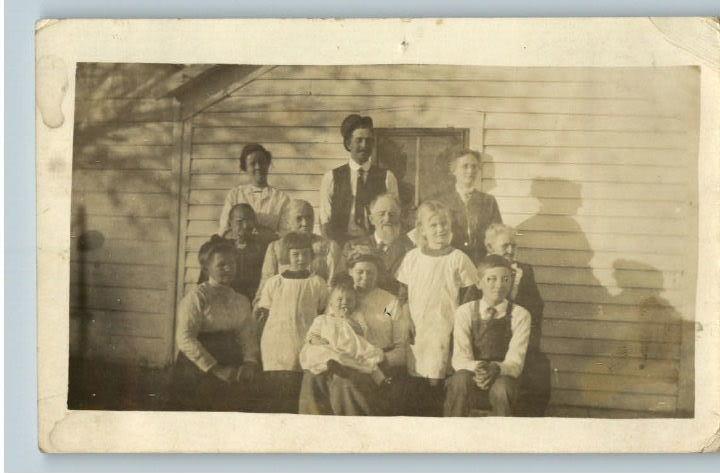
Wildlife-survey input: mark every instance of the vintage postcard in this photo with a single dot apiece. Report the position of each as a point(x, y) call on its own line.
point(389, 235)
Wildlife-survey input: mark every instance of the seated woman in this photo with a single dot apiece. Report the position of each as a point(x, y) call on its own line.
point(387, 319)
point(341, 368)
point(218, 356)
point(472, 211)
point(327, 256)
point(337, 336)
point(267, 202)
point(249, 251)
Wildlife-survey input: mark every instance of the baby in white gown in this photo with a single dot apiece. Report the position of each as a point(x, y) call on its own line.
point(338, 336)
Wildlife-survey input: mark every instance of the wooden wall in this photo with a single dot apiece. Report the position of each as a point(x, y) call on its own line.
point(124, 214)
point(596, 168)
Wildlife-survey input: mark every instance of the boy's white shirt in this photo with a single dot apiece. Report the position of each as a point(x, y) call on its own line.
point(514, 360)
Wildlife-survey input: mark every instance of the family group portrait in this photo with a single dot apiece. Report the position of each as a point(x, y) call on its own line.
point(384, 240)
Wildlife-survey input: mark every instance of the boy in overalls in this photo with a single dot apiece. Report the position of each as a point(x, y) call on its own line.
point(490, 339)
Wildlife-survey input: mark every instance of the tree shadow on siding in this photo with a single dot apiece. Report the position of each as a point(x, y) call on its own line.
point(106, 130)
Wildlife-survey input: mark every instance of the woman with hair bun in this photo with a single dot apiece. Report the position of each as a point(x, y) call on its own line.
point(218, 357)
point(268, 202)
point(471, 210)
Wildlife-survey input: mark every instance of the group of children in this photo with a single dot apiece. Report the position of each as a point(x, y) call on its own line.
point(345, 346)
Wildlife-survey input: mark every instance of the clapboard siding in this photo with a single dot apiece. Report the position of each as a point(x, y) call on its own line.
point(124, 157)
point(441, 88)
point(127, 204)
point(594, 167)
point(642, 368)
point(577, 155)
point(135, 276)
point(125, 184)
point(494, 121)
point(431, 73)
point(368, 103)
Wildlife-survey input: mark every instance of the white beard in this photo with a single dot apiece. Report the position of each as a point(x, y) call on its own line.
point(388, 234)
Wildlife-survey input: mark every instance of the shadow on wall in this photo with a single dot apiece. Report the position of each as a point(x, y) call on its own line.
point(660, 337)
point(94, 383)
point(637, 329)
point(556, 239)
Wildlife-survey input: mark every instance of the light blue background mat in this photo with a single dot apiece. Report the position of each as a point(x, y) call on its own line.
point(21, 452)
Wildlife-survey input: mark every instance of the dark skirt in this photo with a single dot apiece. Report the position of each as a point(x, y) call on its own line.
point(280, 391)
point(191, 389)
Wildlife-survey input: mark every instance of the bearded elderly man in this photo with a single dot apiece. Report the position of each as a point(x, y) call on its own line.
point(347, 190)
point(388, 241)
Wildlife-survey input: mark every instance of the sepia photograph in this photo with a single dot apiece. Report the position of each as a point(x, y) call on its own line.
point(399, 250)
point(384, 240)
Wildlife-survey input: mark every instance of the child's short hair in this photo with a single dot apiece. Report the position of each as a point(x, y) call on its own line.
point(244, 207)
point(428, 208)
point(216, 244)
point(492, 261)
point(342, 282)
point(496, 229)
point(296, 241)
point(251, 148)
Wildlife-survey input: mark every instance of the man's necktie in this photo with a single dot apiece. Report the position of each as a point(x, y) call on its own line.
point(360, 199)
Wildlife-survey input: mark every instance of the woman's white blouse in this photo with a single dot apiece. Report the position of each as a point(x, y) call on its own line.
point(268, 203)
point(212, 307)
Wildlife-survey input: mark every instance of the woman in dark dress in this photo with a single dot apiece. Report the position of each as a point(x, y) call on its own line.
point(472, 211)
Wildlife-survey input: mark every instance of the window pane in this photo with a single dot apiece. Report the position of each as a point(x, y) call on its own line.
point(434, 163)
point(397, 153)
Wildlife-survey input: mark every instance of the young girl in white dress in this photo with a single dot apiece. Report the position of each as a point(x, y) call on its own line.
point(287, 306)
point(434, 273)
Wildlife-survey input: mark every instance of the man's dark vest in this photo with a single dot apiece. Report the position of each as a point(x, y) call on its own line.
point(342, 198)
point(491, 338)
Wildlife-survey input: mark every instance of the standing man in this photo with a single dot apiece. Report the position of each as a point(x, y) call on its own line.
point(346, 191)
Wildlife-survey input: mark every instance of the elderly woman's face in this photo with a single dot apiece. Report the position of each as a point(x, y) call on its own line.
point(361, 145)
point(301, 220)
point(257, 166)
point(466, 170)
